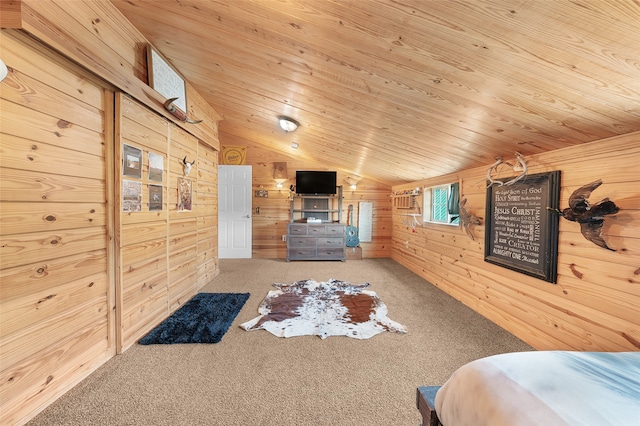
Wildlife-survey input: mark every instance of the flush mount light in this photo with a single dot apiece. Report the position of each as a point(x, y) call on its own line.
point(288, 124)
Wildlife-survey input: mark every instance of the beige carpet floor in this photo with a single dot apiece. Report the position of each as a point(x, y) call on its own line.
point(254, 378)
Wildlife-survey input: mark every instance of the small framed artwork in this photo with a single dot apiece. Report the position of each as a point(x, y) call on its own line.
point(131, 161)
point(156, 167)
point(184, 194)
point(164, 79)
point(131, 196)
point(262, 193)
point(155, 198)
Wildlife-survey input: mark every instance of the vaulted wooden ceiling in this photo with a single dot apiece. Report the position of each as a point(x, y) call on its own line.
point(397, 91)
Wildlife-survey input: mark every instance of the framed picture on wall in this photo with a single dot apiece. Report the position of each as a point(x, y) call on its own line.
point(155, 198)
point(131, 161)
point(164, 79)
point(184, 194)
point(156, 167)
point(521, 233)
point(131, 196)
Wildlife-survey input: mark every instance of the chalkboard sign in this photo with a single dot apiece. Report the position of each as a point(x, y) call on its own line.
point(520, 232)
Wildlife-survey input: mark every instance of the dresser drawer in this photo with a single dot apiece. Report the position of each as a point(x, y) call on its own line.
point(297, 229)
point(316, 230)
point(333, 253)
point(302, 242)
point(335, 230)
point(301, 253)
point(330, 242)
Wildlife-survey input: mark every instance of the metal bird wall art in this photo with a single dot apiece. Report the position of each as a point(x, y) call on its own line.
point(467, 219)
point(589, 216)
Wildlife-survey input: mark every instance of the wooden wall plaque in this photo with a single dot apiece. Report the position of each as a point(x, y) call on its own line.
point(521, 233)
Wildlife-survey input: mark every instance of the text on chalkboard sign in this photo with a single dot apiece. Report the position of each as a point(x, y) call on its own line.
point(521, 233)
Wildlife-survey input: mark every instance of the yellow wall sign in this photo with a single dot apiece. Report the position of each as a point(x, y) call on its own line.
point(233, 155)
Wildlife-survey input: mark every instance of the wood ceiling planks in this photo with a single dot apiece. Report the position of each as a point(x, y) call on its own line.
point(402, 91)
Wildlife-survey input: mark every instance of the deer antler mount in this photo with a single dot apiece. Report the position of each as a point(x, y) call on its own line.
point(520, 165)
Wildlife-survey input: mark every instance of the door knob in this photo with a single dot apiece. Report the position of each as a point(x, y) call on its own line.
point(247, 216)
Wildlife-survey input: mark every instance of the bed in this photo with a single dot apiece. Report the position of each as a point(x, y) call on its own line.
point(551, 388)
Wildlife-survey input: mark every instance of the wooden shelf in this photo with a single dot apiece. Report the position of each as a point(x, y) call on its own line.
point(414, 219)
point(334, 215)
point(403, 201)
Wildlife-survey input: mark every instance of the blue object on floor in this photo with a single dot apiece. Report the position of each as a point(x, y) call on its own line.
point(426, 403)
point(203, 319)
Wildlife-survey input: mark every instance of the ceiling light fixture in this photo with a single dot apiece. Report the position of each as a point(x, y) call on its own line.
point(288, 124)
point(352, 182)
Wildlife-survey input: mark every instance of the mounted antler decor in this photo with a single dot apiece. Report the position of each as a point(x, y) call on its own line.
point(177, 113)
point(467, 219)
point(590, 217)
point(519, 165)
point(187, 165)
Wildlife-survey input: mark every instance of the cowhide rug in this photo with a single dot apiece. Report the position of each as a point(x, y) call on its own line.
point(332, 308)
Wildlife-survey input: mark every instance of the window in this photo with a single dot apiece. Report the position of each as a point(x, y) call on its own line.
point(441, 204)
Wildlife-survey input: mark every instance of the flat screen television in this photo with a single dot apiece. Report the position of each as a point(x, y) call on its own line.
point(315, 182)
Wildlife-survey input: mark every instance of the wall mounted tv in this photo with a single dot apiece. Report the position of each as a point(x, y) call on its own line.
point(315, 182)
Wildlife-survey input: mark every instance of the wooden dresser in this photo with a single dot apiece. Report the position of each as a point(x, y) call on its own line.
point(316, 241)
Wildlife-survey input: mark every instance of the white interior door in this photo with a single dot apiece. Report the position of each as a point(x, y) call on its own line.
point(234, 212)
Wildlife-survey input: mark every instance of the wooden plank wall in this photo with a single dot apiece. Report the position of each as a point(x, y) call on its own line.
point(270, 222)
point(164, 256)
point(72, 265)
point(56, 300)
point(183, 225)
point(96, 35)
point(594, 305)
point(207, 264)
point(142, 262)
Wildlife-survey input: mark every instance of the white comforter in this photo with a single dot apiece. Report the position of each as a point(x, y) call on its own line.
point(546, 388)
